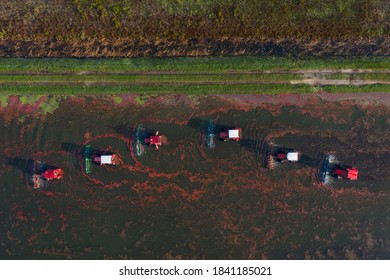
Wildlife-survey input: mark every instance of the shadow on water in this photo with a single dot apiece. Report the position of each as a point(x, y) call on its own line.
point(128, 131)
point(78, 150)
point(248, 144)
point(309, 161)
point(20, 163)
point(124, 130)
point(26, 165)
point(202, 125)
point(199, 124)
point(71, 148)
point(259, 148)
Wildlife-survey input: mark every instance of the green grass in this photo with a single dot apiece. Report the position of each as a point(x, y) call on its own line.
point(136, 78)
point(29, 99)
point(50, 104)
point(164, 89)
point(356, 89)
point(188, 89)
point(140, 100)
point(3, 100)
point(372, 76)
point(187, 64)
point(160, 76)
point(118, 100)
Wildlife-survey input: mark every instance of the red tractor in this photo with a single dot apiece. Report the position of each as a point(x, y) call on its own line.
point(345, 172)
point(331, 168)
point(276, 154)
point(53, 174)
point(233, 134)
point(155, 140)
point(41, 174)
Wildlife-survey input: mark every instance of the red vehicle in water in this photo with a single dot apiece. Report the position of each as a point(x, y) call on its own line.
point(53, 174)
point(155, 140)
point(41, 174)
point(276, 154)
point(346, 172)
point(233, 134)
point(331, 168)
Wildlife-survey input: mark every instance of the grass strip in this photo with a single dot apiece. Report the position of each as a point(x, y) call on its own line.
point(149, 78)
point(177, 89)
point(188, 64)
point(273, 89)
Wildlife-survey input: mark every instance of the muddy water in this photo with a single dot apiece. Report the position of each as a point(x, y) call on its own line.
point(187, 201)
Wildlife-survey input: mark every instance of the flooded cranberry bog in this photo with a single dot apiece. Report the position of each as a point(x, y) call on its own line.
point(184, 200)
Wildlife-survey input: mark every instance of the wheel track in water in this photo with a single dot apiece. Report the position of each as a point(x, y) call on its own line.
point(139, 166)
point(256, 134)
point(187, 150)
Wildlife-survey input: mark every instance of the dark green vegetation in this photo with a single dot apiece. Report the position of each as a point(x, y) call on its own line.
point(189, 19)
point(204, 75)
point(191, 27)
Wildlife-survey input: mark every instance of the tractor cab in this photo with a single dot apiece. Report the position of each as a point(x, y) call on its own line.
point(233, 134)
point(105, 159)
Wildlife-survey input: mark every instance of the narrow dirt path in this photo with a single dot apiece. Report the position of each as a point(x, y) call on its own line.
point(324, 82)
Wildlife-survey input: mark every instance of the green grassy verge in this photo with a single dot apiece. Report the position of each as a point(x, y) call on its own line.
point(136, 78)
point(163, 89)
point(187, 89)
point(164, 76)
point(355, 89)
point(187, 64)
